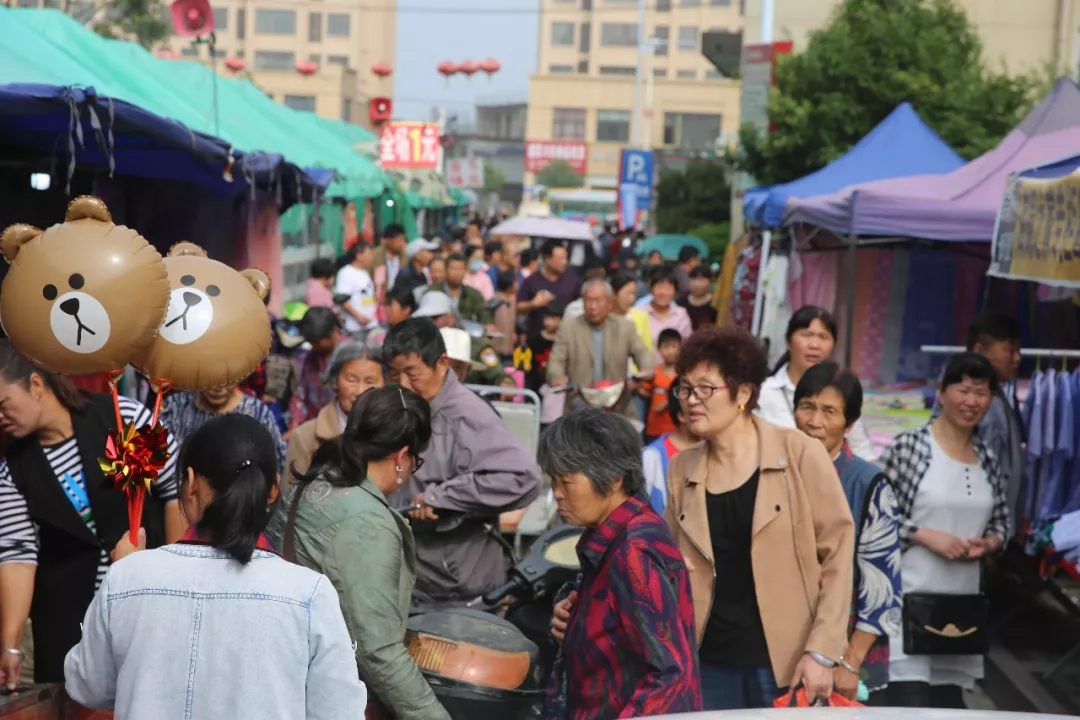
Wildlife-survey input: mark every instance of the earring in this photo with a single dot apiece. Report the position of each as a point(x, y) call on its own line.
point(397, 468)
point(740, 407)
point(400, 480)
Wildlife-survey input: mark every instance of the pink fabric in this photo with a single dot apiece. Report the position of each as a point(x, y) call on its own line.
point(262, 250)
point(379, 278)
point(868, 362)
point(481, 282)
point(813, 280)
point(318, 295)
point(676, 319)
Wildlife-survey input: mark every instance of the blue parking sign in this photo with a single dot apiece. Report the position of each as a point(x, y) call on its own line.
point(636, 168)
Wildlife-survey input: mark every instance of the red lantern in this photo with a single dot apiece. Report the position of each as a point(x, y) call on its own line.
point(235, 64)
point(307, 68)
point(381, 69)
point(468, 68)
point(446, 69)
point(490, 66)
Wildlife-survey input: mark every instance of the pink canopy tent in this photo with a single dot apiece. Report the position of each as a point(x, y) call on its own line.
point(958, 206)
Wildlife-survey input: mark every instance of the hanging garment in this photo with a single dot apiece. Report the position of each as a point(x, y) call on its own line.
point(1033, 413)
point(775, 306)
point(868, 362)
point(725, 285)
point(1072, 493)
point(894, 317)
point(813, 279)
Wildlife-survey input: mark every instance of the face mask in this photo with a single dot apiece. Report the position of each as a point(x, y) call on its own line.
point(476, 265)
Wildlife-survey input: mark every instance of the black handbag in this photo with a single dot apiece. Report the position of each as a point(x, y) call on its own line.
point(945, 624)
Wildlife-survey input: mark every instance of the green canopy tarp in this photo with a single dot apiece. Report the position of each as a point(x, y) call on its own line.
point(66, 53)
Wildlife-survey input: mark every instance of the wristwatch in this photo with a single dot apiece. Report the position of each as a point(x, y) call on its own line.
point(822, 660)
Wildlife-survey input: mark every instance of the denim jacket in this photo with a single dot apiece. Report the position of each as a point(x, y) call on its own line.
point(187, 632)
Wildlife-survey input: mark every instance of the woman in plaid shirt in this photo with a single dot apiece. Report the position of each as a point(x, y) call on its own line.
point(953, 513)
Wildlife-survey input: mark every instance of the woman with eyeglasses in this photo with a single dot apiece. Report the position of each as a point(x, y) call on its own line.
point(339, 522)
point(759, 513)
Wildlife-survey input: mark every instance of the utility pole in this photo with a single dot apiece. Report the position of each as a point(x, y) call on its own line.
point(766, 237)
point(636, 138)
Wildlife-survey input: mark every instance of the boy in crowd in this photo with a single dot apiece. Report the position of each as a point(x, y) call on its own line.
point(354, 281)
point(699, 302)
point(400, 304)
point(659, 421)
point(504, 314)
point(540, 344)
point(656, 457)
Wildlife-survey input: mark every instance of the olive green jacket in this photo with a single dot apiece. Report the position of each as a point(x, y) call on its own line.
point(487, 367)
point(351, 535)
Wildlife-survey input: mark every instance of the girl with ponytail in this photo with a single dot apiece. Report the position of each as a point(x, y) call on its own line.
point(338, 522)
point(268, 637)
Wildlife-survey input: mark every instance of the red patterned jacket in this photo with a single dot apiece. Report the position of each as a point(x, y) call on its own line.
point(629, 649)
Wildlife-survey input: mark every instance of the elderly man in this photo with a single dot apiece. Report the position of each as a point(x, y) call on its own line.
point(597, 346)
point(474, 468)
point(414, 275)
point(486, 367)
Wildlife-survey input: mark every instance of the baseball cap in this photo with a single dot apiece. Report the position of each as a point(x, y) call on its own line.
point(420, 244)
point(434, 304)
point(459, 347)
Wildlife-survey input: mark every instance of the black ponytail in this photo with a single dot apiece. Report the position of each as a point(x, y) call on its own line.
point(382, 422)
point(235, 454)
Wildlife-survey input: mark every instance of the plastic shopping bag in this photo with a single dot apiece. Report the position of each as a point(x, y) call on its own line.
point(796, 697)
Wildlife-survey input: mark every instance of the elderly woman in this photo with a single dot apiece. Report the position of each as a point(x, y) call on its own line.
point(953, 513)
point(627, 630)
point(353, 370)
point(828, 402)
point(760, 514)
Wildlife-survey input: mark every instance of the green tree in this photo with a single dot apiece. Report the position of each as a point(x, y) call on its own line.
point(494, 178)
point(559, 174)
point(143, 21)
point(699, 195)
point(873, 55)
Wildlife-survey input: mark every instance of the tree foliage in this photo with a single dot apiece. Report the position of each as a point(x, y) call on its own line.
point(559, 174)
point(699, 195)
point(874, 55)
point(494, 177)
point(139, 20)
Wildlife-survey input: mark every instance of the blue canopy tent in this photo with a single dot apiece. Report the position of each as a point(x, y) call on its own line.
point(901, 145)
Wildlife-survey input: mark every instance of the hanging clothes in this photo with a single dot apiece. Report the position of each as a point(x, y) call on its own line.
point(725, 284)
point(775, 306)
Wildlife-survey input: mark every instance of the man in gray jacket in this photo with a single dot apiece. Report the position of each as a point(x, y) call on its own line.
point(473, 470)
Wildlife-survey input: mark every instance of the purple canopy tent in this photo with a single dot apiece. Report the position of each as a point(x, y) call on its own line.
point(958, 206)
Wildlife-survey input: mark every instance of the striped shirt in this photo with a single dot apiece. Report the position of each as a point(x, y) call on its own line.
point(18, 533)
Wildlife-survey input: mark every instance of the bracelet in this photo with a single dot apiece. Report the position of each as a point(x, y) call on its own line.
point(821, 660)
point(14, 651)
point(847, 666)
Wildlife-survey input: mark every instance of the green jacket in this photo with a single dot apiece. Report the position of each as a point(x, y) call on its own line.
point(471, 305)
point(351, 535)
point(493, 372)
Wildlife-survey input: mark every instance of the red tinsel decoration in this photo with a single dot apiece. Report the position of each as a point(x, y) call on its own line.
point(133, 459)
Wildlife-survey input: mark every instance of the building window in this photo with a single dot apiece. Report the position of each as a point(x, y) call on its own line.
point(221, 18)
point(54, 4)
point(314, 27)
point(565, 2)
point(190, 52)
point(690, 3)
point(337, 25)
point(612, 126)
point(585, 37)
point(568, 124)
point(692, 131)
point(586, 4)
point(346, 109)
point(219, 53)
point(239, 52)
point(619, 35)
point(618, 70)
point(713, 75)
point(562, 34)
point(275, 22)
point(315, 58)
point(341, 60)
point(305, 103)
point(560, 69)
point(659, 72)
point(686, 74)
point(661, 38)
point(663, 5)
point(273, 60)
point(583, 67)
point(241, 23)
point(84, 12)
point(720, 3)
point(27, 4)
point(688, 38)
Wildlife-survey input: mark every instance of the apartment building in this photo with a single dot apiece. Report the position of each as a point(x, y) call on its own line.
point(1021, 35)
point(584, 86)
point(342, 38)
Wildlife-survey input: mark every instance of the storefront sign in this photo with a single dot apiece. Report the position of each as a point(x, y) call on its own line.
point(758, 75)
point(1038, 231)
point(465, 173)
point(541, 153)
point(409, 145)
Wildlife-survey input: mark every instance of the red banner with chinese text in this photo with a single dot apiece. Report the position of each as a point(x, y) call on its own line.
point(409, 145)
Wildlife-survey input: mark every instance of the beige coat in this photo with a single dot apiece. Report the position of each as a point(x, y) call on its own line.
point(572, 355)
point(801, 551)
point(306, 439)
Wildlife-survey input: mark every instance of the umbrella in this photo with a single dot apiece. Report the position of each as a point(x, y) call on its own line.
point(670, 245)
point(544, 227)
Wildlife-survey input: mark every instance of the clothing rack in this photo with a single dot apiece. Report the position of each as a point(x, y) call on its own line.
point(1025, 352)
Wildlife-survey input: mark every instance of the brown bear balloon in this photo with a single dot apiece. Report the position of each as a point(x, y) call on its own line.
point(82, 296)
point(216, 330)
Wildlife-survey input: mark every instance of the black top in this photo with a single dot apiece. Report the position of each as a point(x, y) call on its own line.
point(734, 636)
point(699, 314)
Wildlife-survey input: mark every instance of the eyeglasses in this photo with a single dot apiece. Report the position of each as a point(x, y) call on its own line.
point(701, 392)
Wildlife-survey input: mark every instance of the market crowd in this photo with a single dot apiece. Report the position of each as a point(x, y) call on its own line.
point(740, 540)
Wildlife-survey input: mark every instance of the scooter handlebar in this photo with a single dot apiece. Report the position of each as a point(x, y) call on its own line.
point(516, 584)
